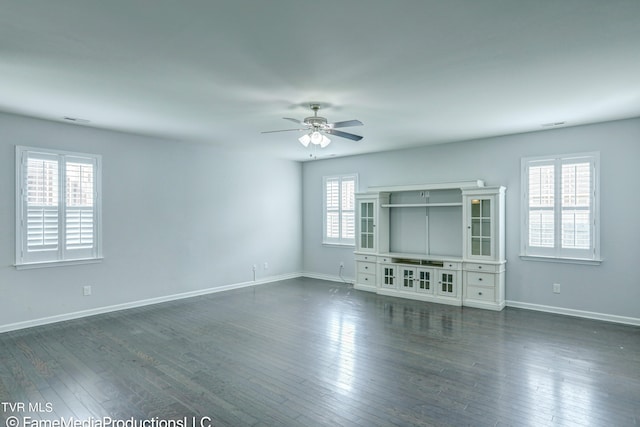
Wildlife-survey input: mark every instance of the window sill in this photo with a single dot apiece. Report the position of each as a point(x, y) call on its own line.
point(65, 263)
point(339, 245)
point(561, 260)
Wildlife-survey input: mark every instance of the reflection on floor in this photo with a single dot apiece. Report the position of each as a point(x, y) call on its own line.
point(309, 352)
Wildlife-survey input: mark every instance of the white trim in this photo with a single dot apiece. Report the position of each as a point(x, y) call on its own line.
point(556, 252)
point(63, 256)
point(482, 305)
point(140, 303)
point(61, 263)
point(151, 301)
point(418, 205)
point(340, 240)
point(478, 183)
point(540, 258)
point(339, 245)
point(576, 313)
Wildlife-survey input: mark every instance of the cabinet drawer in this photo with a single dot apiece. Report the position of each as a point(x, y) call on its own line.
point(369, 258)
point(384, 259)
point(489, 268)
point(481, 279)
point(366, 279)
point(451, 265)
point(366, 267)
point(480, 293)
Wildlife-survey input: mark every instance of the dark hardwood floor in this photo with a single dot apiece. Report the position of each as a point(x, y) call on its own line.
point(307, 352)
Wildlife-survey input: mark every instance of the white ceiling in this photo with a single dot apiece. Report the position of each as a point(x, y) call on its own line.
point(415, 72)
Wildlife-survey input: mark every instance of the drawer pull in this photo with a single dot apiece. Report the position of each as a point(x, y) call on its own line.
point(479, 267)
point(479, 293)
point(479, 279)
point(366, 268)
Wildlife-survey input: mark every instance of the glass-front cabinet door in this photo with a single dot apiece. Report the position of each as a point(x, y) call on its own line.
point(425, 280)
point(481, 223)
point(408, 278)
point(388, 276)
point(366, 241)
point(480, 227)
point(448, 283)
point(483, 211)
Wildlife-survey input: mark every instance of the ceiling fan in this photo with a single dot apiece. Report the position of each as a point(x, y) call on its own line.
point(317, 128)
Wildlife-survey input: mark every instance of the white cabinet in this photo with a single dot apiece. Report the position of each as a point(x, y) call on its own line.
point(408, 277)
point(483, 214)
point(417, 279)
point(425, 282)
point(368, 215)
point(434, 242)
point(448, 283)
point(366, 267)
point(368, 240)
point(366, 236)
point(388, 276)
point(420, 277)
point(484, 255)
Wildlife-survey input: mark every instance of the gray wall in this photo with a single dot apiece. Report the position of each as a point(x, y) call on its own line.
point(177, 218)
point(612, 288)
point(246, 210)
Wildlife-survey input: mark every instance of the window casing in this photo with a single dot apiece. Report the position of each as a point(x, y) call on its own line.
point(58, 209)
point(560, 207)
point(339, 214)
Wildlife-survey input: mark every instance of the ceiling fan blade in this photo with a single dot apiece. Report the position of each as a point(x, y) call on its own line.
point(294, 120)
point(282, 130)
point(345, 124)
point(344, 134)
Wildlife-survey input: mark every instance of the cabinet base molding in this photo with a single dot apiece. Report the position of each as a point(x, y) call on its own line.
point(484, 305)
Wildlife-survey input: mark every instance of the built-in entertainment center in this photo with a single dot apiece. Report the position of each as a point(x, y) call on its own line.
point(433, 242)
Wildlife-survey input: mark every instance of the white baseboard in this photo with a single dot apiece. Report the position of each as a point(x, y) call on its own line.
point(577, 313)
point(141, 303)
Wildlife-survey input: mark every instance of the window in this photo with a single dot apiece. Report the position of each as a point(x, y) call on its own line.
point(560, 207)
point(57, 206)
point(339, 209)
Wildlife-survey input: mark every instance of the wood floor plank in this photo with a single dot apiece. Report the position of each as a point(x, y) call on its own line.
point(309, 352)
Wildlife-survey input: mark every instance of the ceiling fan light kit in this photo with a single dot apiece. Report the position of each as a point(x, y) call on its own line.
point(317, 127)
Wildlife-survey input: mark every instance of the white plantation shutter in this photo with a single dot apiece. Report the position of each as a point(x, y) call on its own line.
point(576, 205)
point(79, 210)
point(56, 209)
point(41, 205)
point(339, 209)
point(332, 208)
point(560, 207)
point(347, 202)
point(541, 205)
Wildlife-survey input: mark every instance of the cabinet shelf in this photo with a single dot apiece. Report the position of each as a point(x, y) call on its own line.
point(420, 205)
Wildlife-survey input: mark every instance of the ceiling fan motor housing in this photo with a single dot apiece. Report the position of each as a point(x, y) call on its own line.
point(315, 121)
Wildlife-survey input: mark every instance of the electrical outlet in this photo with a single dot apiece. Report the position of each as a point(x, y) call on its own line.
point(266, 265)
point(556, 288)
point(86, 291)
